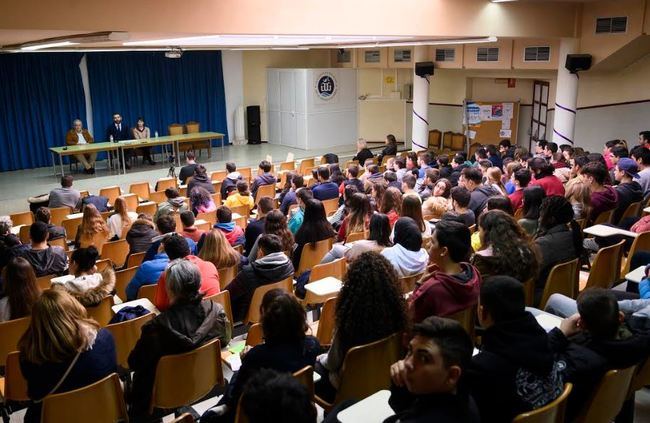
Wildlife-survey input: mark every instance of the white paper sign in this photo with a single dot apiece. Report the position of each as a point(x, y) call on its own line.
point(471, 134)
point(473, 111)
point(485, 112)
point(505, 133)
point(508, 110)
point(505, 123)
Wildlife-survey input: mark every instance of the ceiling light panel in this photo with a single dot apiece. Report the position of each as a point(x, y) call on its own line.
point(265, 40)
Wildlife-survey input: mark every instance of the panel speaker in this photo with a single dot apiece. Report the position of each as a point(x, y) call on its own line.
point(578, 62)
point(424, 69)
point(253, 124)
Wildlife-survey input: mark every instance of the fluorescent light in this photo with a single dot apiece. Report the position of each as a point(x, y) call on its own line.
point(490, 39)
point(48, 45)
point(255, 40)
point(289, 48)
point(501, 1)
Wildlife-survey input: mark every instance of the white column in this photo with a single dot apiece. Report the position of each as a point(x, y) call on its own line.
point(566, 96)
point(420, 129)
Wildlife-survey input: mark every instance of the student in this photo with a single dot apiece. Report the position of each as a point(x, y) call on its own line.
point(166, 225)
point(427, 383)
point(275, 224)
point(425, 160)
point(471, 179)
point(231, 179)
point(66, 196)
point(515, 371)
point(93, 229)
point(578, 194)
point(642, 157)
point(493, 156)
point(188, 169)
point(255, 227)
point(444, 166)
point(189, 322)
point(61, 338)
point(618, 152)
point(296, 182)
point(149, 271)
point(389, 150)
point(174, 204)
point(363, 152)
point(9, 242)
point(200, 179)
point(44, 259)
point(325, 189)
point(494, 179)
point(272, 266)
point(408, 186)
point(533, 197)
point(264, 177)
point(120, 221)
point(20, 290)
point(543, 172)
point(540, 146)
point(201, 201)
point(391, 204)
point(176, 248)
point(400, 168)
point(216, 249)
point(240, 198)
point(297, 216)
point(358, 217)
point(55, 232)
point(407, 255)
point(505, 149)
point(233, 233)
point(353, 173)
point(315, 228)
point(521, 179)
point(141, 234)
point(452, 284)
point(411, 208)
point(378, 239)
point(603, 197)
point(426, 188)
point(457, 167)
point(460, 198)
point(89, 287)
point(189, 230)
point(628, 190)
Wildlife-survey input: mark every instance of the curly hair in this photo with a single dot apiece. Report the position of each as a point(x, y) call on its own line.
point(199, 197)
point(370, 305)
point(275, 223)
point(513, 252)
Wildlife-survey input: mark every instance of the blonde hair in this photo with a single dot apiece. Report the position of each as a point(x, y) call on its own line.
point(577, 191)
point(217, 250)
point(92, 221)
point(435, 207)
point(59, 328)
point(122, 209)
point(494, 174)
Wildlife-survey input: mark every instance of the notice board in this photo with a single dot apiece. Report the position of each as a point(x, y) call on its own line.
point(490, 122)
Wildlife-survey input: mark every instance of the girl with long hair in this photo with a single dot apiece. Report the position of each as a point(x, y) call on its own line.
point(578, 193)
point(358, 216)
point(391, 204)
point(314, 228)
point(407, 255)
point(20, 290)
point(376, 196)
point(201, 201)
point(533, 197)
point(275, 223)
point(378, 239)
point(495, 179)
point(411, 208)
point(93, 229)
point(120, 221)
point(217, 250)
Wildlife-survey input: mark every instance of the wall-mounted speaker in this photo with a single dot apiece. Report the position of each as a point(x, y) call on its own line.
point(424, 69)
point(578, 62)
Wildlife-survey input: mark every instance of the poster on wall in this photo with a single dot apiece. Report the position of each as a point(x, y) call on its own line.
point(497, 111)
point(508, 110)
point(485, 112)
point(473, 112)
point(326, 86)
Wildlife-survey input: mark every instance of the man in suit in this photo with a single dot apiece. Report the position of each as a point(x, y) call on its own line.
point(79, 136)
point(120, 132)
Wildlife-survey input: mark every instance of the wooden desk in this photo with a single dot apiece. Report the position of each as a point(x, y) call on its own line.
point(605, 231)
point(321, 290)
point(147, 142)
point(71, 150)
point(373, 409)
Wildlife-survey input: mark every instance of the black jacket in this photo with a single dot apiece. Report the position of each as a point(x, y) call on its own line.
point(254, 229)
point(515, 371)
point(439, 408)
point(183, 327)
point(140, 236)
point(55, 232)
point(479, 198)
point(124, 134)
point(455, 174)
point(269, 269)
point(363, 155)
point(202, 181)
point(389, 150)
point(186, 172)
point(628, 193)
point(556, 246)
point(446, 171)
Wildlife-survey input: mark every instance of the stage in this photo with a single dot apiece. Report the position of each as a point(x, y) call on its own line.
point(17, 186)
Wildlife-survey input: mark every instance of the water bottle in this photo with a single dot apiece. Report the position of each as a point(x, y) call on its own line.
point(155, 134)
point(110, 138)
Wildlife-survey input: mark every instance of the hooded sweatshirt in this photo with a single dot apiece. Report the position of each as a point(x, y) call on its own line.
point(515, 371)
point(271, 268)
point(202, 181)
point(444, 294)
point(628, 193)
point(209, 282)
point(263, 179)
point(170, 206)
point(602, 201)
point(90, 290)
point(49, 261)
point(231, 181)
point(407, 255)
point(140, 236)
point(479, 198)
point(233, 233)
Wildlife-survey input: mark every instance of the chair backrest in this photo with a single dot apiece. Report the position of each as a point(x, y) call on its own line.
point(44, 282)
point(632, 210)
point(244, 211)
point(563, 279)
point(157, 197)
point(141, 189)
point(355, 236)
point(210, 217)
point(71, 226)
point(15, 383)
point(458, 142)
point(122, 279)
point(550, 413)
point(640, 243)
point(407, 283)
point(102, 312)
point(226, 275)
point(116, 252)
point(23, 218)
point(529, 292)
point(126, 335)
point(434, 139)
point(466, 318)
point(255, 335)
point(57, 214)
point(148, 292)
point(111, 193)
point(305, 166)
point(163, 183)
point(447, 139)
point(264, 191)
point(641, 377)
point(102, 264)
point(288, 165)
point(132, 201)
point(366, 368)
point(331, 206)
point(253, 313)
point(607, 399)
point(223, 298)
point(218, 175)
point(336, 269)
point(306, 378)
point(326, 323)
point(313, 253)
point(135, 259)
point(246, 173)
point(181, 379)
point(606, 267)
point(23, 233)
point(104, 400)
point(192, 127)
point(149, 207)
point(10, 333)
point(58, 242)
point(175, 129)
point(604, 217)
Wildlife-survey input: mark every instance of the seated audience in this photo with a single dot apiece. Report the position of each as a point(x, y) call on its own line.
point(255, 227)
point(507, 249)
point(378, 239)
point(141, 234)
point(189, 230)
point(188, 170)
point(629, 191)
point(363, 152)
point(451, 283)
point(543, 173)
point(471, 179)
point(336, 219)
point(578, 193)
point(521, 179)
point(533, 197)
point(428, 185)
point(174, 204)
point(314, 228)
point(200, 179)
point(264, 177)
point(642, 156)
point(93, 229)
point(275, 224)
point(230, 182)
point(176, 248)
point(325, 189)
point(120, 221)
point(370, 307)
point(44, 259)
point(19, 289)
point(408, 186)
point(493, 203)
point(516, 370)
point(389, 150)
point(460, 199)
point(411, 208)
point(425, 161)
point(189, 322)
point(407, 255)
point(391, 204)
point(603, 197)
point(66, 196)
point(494, 179)
point(240, 198)
point(290, 197)
point(272, 266)
point(8, 241)
point(61, 339)
point(55, 232)
point(166, 226)
point(149, 271)
point(457, 166)
point(201, 201)
point(216, 249)
point(358, 217)
point(297, 216)
point(88, 286)
point(234, 234)
point(353, 173)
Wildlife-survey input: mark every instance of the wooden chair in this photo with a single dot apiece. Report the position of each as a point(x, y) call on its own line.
point(466, 318)
point(306, 377)
point(605, 269)
point(223, 298)
point(337, 269)
point(305, 166)
point(264, 191)
point(640, 379)
point(562, 279)
point(58, 214)
point(519, 213)
point(447, 139)
point(434, 139)
point(135, 259)
point(458, 142)
point(183, 418)
point(102, 312)
point(59, 242)
point(632, 210)
point(407, 283)
point(605, 217)
point(149, 208)
point(157, 197)
point(384, 160)
point(192, 128)
point(132, 202)
point(550, 413)
point(116, 252)
point(102, 264)
point(216, 198)
point(366, 370)
point(218, 175)
point(288, 166)
point(122, 279)
point(103, 400)
point(608, 397)
point(10, 333)
point(582, 223)
point(126, 335)
point(324, 326)
point(182, 379)
point(15, 385)
point(472, 229)
point(23, 234)
point(175, 129)
point(355, 236)
point(148, 292)
point(44, 282)
point(163, 183)
point(529, 292)
point(246, 173)
point(331, 206)
point(111, 193)
point(253, 313)
point(141, 189)
point(640, 243)
point(205, 226)
point(244, 211)
point(255, 335)
point(313, 253)
point(24, 218)
point(226, 275)
point(210, 217)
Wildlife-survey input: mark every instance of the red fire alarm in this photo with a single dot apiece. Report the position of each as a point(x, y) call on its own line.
point(512, 82)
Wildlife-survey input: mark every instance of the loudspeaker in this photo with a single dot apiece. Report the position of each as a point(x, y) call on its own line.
point(424, 69)
point(253, 123)
point(578, 62)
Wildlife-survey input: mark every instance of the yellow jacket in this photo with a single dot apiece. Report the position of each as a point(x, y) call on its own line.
point(236, 200)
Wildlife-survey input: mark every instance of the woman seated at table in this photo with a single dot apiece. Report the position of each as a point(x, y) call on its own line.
point(141, 132)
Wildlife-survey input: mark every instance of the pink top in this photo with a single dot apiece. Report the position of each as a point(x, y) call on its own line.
point(140, 135)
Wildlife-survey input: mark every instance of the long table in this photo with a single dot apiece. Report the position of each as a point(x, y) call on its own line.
point(174, 140)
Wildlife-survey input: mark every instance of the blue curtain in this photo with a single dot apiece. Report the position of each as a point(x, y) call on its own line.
point(40, 95)
point(162, 90)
